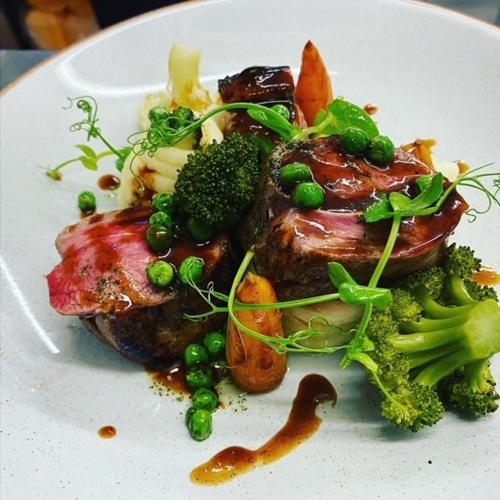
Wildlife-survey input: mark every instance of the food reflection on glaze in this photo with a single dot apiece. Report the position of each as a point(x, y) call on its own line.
point(302, 423)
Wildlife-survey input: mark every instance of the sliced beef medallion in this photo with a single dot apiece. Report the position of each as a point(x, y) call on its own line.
point(102, 278)
point(293, 247)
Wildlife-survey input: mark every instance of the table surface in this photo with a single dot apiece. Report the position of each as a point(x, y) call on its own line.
point(14, 63)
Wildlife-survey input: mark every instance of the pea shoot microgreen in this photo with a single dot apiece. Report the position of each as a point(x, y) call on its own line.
point(90, 158)
point(394, 206)
point(168, 128)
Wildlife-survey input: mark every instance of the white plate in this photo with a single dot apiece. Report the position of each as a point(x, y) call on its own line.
point(431, 72)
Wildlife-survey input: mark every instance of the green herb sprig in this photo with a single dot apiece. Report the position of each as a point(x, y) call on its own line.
point(90, 158)
point(396, 206)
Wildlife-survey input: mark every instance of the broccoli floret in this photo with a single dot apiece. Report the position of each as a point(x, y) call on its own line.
point(432, 278)
point(462, 262)
point(459, 261)
point(417, 343)
point(219, 182)
point(404, 307)
point(471, 389)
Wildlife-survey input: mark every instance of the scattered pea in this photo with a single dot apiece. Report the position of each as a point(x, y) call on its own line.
point(308, 195)
point(200, 424)
point(380, 150)
point(163, 202)
point(159, 238)
point(199, 376)
point(353, 141)
point(160, 273)
point(194, 354)
point(161, 219)
point(157, 113)
point(86, 201)
point(293, 173)
point(215, 343)
point(191, 269)
point(205, 399)
point(199, 231)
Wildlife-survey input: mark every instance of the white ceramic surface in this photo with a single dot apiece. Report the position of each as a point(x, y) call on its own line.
point(431, 72)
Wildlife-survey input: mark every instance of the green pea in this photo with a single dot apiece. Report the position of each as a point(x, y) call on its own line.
point(194, 354)
point(191, 269)
point(157, 114)
point(199, 231)
point(215, 342)
point(293, 173)
point(200, 425)
point(160, 273)
point(86, 201)
point(161, 219)
point(189, 414)
point(205, 399)
point(199, 376)
point(308, 195)
point(380, 150)
point(353, 141)
point(159, 238)
point(282, 110)
point(164, 202)
point(183, 114)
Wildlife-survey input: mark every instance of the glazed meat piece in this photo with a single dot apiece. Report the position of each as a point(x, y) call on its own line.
point(102, 278)
point(266, 85)
point(258, 84)
point(292, 246)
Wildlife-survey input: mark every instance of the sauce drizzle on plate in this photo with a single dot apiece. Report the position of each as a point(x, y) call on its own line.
point(302, 423)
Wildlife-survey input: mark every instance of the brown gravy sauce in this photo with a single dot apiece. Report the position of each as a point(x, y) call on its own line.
point(107, 432)
point(173, 377)
point(302, 423)
point(108, 182)
point(371, 109)
point(487, 276)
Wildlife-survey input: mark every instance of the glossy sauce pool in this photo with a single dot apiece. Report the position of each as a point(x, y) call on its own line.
point(302, 423)
point(173, 378)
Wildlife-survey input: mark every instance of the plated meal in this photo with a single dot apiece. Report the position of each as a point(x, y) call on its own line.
point(274, 217)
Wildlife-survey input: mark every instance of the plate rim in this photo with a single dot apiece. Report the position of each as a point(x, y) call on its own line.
point(192, 4)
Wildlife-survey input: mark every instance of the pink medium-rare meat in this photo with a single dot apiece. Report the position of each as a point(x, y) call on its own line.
point(293, 247)
point(104, 260)
point(102, 278)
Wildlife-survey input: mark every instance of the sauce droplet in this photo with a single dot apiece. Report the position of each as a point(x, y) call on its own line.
point(487, 276)
point(109, 182)
point(107, 432)
point(371, 109)
point(302, 423)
